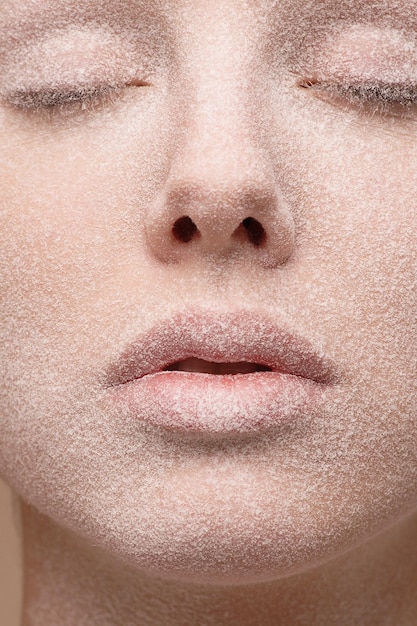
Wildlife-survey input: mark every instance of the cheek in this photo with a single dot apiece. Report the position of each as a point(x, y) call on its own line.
point(71, 201)
point(352, 186)
point(369, 236)
point(353, 192)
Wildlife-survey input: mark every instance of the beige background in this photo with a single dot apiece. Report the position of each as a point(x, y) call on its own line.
point(10, 579)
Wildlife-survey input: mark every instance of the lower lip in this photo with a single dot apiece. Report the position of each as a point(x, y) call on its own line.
point(218, 405)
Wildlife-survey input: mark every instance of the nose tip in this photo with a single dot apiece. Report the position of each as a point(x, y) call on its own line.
point(248, 221)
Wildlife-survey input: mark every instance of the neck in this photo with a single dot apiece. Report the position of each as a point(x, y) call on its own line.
point(67, 583)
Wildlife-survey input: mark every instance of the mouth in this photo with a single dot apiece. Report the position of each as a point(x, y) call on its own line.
point(217, 369)
point(203, 342)
point(209, 375)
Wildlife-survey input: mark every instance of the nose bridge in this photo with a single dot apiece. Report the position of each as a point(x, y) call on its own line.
point(217, 116)
point(217, 134)
point(219, 175)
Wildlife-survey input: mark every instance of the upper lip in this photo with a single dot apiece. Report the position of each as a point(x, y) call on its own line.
point(242, 336)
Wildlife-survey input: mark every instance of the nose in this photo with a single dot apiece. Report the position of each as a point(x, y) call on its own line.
point(220, 197)
point(199, 217)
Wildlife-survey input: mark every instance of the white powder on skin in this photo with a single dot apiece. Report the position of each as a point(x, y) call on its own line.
point(125, 525)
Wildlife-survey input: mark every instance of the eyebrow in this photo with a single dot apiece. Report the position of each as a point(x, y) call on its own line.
point(399, 14)
point(22, 22)
point(28, 18)
point(321, 18)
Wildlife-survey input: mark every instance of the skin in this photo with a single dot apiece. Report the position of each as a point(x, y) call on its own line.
point(120, 524)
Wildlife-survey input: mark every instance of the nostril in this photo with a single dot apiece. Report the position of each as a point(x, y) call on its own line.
point(184, 229)
point(255, 231)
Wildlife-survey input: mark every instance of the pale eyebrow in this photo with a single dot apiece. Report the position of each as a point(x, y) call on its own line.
point(301, 25)
point(21, 22)
point(395, 13)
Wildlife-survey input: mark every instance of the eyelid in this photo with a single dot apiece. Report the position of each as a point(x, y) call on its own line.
point(368, 52)
point(32, 99)
point(75, 59)
point(54, 106)
point(59, 95)
point(376, 97)
point(401, 93)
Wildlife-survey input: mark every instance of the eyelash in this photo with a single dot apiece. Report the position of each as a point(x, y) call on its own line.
point(386, 99)
point(377, 97)
point(64, 100)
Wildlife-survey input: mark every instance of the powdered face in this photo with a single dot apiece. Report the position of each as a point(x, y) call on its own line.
point(119, 120)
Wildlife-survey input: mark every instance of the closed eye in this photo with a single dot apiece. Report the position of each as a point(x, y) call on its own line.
point(397, 99)
point(61, 98)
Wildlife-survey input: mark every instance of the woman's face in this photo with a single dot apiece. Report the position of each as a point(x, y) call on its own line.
point(206, 180)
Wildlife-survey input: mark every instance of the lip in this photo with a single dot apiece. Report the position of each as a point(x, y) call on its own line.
point(219, 404)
